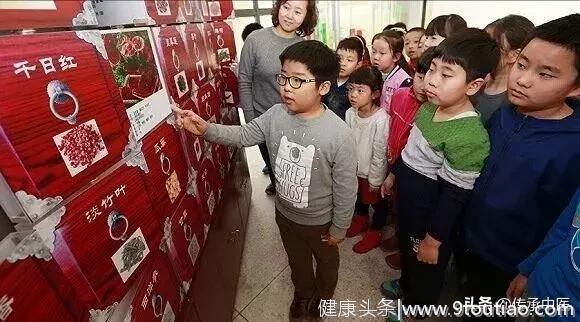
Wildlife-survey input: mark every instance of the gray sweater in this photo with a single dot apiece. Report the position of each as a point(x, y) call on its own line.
point(315, 164)
point(259, 64)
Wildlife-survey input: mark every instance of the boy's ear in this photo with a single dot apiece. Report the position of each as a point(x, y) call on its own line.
point(575, 92)
point(474, 86)
point(324, 88)
point(359, 64)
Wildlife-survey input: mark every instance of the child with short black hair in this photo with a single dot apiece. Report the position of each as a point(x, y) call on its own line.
point(445, 153)
point(412, 39)
point(351, 53)
point(532, 170)
point(316, 181)
point(369, 124)
point(387, 57)
point(404, 107)
point(510, 33)
point(442, 27)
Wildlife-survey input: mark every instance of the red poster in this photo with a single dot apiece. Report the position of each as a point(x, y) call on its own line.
point(46, 14)
point(166, 174)
point(185, 238)
point(175, 63)
point(25, 295)
point(59, 126)
point(197, 52)
point(103, 239)
point(158, 295)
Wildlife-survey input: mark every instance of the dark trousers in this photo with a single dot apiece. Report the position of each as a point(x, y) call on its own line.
point(417, 195)
point(301, 242)
point(266, 156)
point(379, 216)
point(485, 279)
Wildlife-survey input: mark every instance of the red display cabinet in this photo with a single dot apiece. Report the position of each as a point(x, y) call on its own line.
point(59, 126)
point(137, 12)
point(166, 174)
point(158, 296)
point(46, 14)
point(225, 42)
point(25, 294)
point(135, 66)
point(175, 63)
point(101, 241)
point(184, 235)
point(198, 53)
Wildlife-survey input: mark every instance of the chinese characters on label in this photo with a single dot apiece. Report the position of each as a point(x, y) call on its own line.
point(106, 203)
point(47, 63)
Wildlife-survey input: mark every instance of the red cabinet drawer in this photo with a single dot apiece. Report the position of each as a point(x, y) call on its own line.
point(208, 103)
point(225, 42)
point(166, 174)
point(231, 93)
point(211, 45)
point(208, 184)
point(46, 14)
point(103, 238)
point(59, 119)
point(25, 294)
point(198, 53)
point(134, 63)
point(175, 63)
point(184, 235)
point(158, 295)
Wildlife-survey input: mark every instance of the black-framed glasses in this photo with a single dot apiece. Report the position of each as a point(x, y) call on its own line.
point(295, 82)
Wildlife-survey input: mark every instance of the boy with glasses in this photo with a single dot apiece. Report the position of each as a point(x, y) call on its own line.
point(311, 149)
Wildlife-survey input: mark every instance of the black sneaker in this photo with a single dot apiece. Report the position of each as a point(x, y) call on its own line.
point(271, 190)
point(299, 307)
point(266, 170)
point(314, 309)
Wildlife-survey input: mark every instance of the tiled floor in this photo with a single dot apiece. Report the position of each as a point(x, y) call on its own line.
point(265, 289)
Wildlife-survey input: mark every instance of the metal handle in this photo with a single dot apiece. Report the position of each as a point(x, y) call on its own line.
point(233, 236)
point(56, 90)
point(154, 300)
point(165, 160)
point(187, 232)
point(115, 216)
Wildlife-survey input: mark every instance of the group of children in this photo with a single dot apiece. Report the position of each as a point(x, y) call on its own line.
point(357, 129)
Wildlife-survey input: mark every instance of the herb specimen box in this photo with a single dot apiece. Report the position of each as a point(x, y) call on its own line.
point(198, 53)
point(184, 235)
point(212, 47)
point(158, 296)
point(137, 12)
point(46, 14)
point(59, 126)
point(101, 240)
point(165, 172)
point(208, 183)
point(135, 66)
point(175, 63)
point(208, 102)
point(25, 294)
point(231, 93)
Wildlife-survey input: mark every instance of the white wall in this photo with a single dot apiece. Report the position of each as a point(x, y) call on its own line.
point(480, 13)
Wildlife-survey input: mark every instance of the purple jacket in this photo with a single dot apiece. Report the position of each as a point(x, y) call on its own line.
point(395, 79)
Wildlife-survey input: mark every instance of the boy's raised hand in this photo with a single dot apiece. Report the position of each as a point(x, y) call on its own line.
point(190, 121)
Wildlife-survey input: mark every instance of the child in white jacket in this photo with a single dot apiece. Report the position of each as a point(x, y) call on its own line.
point(370, 127)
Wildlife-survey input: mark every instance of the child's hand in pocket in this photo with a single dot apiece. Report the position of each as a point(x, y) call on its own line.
point(331, 241)
point(428, 251)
